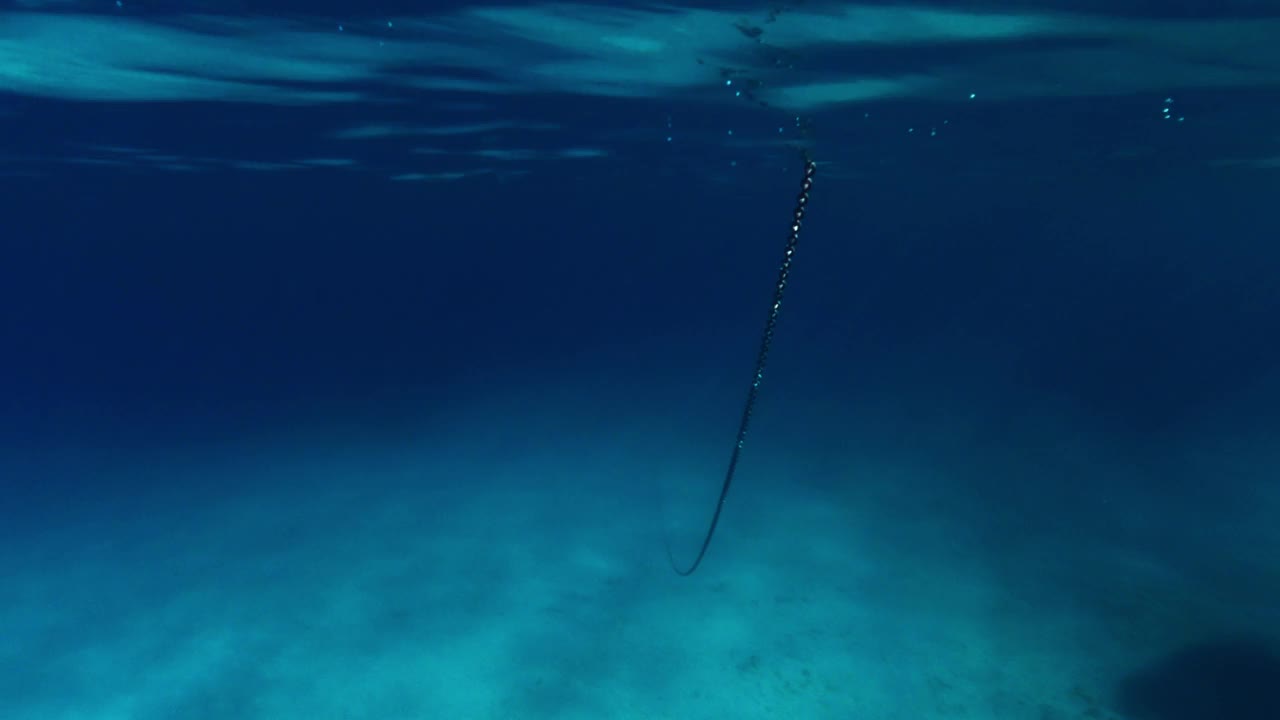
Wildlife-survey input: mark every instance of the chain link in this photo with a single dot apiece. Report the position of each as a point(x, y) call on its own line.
point(762, 358)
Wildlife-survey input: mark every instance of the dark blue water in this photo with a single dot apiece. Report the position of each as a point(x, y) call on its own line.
point(1028, 340)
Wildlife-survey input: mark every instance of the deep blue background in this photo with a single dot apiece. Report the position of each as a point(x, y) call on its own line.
point(1092, 246)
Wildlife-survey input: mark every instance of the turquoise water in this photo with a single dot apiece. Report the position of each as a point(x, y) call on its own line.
point(365, 364)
